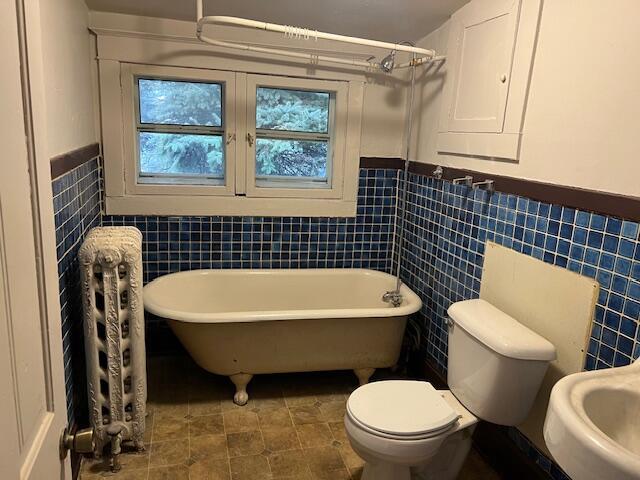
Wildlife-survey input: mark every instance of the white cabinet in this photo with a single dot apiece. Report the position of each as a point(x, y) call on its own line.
point(489, 58)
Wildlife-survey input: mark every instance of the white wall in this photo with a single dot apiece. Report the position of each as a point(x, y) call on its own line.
point(68, 83)
point(384, 102)
point(581, 125)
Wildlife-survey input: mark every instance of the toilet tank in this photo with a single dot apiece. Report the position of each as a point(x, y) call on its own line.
point(495, 364)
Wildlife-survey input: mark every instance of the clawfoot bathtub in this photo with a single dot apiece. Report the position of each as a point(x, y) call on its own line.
point(240, 323)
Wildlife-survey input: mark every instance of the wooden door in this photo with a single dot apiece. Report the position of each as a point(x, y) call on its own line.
point(32, 400)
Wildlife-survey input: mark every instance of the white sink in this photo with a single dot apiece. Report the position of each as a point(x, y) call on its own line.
point(592, 427)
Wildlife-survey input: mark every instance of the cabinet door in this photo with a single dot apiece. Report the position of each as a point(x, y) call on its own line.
point(483, 35)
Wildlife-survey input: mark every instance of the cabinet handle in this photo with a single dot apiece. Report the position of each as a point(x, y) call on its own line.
point(503, 78)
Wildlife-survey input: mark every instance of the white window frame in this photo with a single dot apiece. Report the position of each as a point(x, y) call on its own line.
point(336, 136)
point(130, 74)
point(240, 195)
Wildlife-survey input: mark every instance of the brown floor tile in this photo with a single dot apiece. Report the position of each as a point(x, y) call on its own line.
point(288, 463)
point(334, 391)
point(212, 447)
point(209, 469)
point(314, 435)
point(170, 452)
point(266, 392)
point(267, 403)
point(306, 476)
point(240, 420)
point(253, 467)
point(245, 443)
point(298, 394)
point(174, 472)
point(140, 474)
point(333, 411)
point(339, 433)
point(306, 414)
point(280, 438)
point(200, 407)
point(129, 461)
point(349, 457)
point(206, 425)
point(227, 405)
point(274, 417)
point(339, 474)
point(323, 459)
point(216, 388)
point(331, 397)
point(169, 403)
point(300, 400)
point(291, 429)
point(356, 473)
point(148, 430)
point(166, 428)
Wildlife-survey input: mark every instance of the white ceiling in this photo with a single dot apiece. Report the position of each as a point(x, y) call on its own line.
point(388, 20)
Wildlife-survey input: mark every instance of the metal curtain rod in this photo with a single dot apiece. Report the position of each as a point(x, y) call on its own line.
point(421, 55)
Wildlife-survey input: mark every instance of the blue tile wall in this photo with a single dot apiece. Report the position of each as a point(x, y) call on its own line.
point(77, 208)
point(446, 231)
point(172, 244)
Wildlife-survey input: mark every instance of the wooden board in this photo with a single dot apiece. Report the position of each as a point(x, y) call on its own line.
point(552, 301)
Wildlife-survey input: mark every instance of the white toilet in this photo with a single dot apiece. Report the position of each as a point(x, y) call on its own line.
point(405, 428)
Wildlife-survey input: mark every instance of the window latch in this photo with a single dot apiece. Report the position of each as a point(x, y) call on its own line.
point(230, 137)
point(250, 139)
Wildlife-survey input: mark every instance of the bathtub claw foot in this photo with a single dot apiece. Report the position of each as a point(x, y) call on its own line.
point(364, 374)
point(241, 380)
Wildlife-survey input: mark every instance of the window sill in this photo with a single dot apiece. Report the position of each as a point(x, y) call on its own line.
point(170, 205)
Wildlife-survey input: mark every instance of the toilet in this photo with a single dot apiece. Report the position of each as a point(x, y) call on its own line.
point(407, 429)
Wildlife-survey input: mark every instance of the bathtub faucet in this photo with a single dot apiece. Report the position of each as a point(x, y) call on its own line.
point(393, 297)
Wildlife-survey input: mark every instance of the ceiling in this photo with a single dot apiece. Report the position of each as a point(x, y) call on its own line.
point(388, 20)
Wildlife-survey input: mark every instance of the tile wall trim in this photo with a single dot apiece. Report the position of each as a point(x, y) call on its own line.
point(66, 162)
point(621, 206)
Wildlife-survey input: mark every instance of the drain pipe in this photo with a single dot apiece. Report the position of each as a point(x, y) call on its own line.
point(394, 297)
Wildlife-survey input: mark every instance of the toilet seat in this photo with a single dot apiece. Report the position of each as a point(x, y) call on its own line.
point(400, 410)
point(377, 433)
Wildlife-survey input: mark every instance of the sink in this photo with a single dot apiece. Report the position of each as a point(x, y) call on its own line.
point(592, 427)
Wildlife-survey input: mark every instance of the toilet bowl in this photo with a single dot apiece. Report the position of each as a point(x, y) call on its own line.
point(406, 429)
point(401, 436)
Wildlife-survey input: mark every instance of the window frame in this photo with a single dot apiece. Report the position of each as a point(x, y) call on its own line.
point(130, 75)
point(337, 133)
point(124, 197)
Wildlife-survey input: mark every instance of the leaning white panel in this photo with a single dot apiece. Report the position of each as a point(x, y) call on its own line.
point(111, 274)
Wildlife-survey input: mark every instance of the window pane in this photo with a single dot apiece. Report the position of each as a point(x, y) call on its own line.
point(291, 158)
point(293, 110)
point(180, 154)
point(180, 103)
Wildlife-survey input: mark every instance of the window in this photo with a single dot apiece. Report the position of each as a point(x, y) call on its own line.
point(190, 135)
point(180, 132)
point(298, 126)
point(292, 136)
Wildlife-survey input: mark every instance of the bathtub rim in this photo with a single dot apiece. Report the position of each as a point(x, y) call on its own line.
point(412, 304)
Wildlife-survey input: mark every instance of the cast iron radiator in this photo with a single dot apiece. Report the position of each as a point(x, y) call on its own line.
point(111, 275)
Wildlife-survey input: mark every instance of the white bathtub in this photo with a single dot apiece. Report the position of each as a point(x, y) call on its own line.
point(245, 322)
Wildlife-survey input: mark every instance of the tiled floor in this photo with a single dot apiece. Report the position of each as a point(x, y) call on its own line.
point(291, 428)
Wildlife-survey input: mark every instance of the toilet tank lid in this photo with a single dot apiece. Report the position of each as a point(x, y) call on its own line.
point(500, 332)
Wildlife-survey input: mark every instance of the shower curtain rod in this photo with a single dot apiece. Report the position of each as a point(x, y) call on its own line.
point(421, 55)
